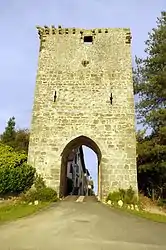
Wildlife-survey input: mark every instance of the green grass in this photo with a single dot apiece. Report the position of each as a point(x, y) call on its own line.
point(146, 215)
point(150, 216)
point(12, 212)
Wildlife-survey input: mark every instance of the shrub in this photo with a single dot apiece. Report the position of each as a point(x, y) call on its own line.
point(114, 196)
point(130, 197)
point(162, 203)
point(39, 182)
point(14, 180)
point(10, 158)
point(47, 194)
point(16, 175)
point(127, 196)
point(144, 201)
point(43, 194)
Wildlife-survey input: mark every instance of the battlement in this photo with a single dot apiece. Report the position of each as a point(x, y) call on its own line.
point(45, 31)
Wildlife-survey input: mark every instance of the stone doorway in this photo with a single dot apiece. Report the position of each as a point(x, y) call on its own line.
point(76, 143)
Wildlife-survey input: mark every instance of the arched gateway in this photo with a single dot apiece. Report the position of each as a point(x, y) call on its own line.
point(75, 143)
point(84, 96)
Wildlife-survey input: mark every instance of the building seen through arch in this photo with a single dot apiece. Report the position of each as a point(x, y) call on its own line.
point(75, 178)
point(77, 175)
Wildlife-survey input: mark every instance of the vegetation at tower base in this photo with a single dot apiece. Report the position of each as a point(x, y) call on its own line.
point(150, 87)
point(40, 192)
point(16, 175)
point(128, 197)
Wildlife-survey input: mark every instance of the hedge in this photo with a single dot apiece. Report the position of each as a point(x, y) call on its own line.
point(16, 175)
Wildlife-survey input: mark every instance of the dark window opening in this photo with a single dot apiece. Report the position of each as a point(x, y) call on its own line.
point(75, 160)
point(88, 39)
point(71, 168)
point(76, 182)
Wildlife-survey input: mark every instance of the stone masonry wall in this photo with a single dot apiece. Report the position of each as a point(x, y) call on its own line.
point(84, 76)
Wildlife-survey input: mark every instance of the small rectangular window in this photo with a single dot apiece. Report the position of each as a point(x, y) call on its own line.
point(88, 39)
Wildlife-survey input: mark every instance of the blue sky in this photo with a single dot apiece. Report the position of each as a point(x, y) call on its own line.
point(19, 42)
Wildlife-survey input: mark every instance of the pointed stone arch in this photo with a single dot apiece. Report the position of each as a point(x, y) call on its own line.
point(75, 143)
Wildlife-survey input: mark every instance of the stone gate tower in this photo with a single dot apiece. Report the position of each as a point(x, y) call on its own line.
point(84, 95)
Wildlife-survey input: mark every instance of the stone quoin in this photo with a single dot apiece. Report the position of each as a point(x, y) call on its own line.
point(84, 96)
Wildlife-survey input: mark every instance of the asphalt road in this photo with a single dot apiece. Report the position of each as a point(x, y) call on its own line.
point(88, 225)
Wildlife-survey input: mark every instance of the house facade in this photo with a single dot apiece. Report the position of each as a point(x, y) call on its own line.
point(77, 174)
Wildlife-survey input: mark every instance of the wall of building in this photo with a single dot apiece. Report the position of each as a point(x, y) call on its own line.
point(78, 171)
point(69, 166)
point(82, 106)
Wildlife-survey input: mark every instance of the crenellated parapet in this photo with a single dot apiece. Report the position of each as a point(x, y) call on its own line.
point(128, 37)
point(44, 31)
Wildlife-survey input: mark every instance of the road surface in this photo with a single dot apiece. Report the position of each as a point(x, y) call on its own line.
point(83, 225)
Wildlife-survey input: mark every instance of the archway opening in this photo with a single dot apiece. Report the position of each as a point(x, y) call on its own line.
point(80, 168)
point(91, 163)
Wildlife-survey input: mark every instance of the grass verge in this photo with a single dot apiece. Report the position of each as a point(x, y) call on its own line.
point(12, 212)
point(144, 214)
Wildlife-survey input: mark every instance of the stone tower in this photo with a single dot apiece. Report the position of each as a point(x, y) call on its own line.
point(84, 96)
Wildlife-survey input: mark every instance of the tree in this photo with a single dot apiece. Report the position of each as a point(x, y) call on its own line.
point(22, 140)
point(150, 78)
point(8, 137)
point(151, 159)
point(150, 86)
point(18, 139)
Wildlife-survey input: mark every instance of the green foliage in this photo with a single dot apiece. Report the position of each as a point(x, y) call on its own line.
point(18, 139)
point(39, 182)
point(9, 134)
point(21, 140)
point(8, 157)
point(40, 192)
point(151, 164)
point(43, 194)
point(14, 180)
point(127, 196)
point(114, 196)
point(12, 211)
point(150, 78)
point(162, 203)
point(150, 87)
point(15, 174)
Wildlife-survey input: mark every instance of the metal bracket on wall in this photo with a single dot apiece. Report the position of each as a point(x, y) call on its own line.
point(85, 63)
point(111, 98)
point(55, 96)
